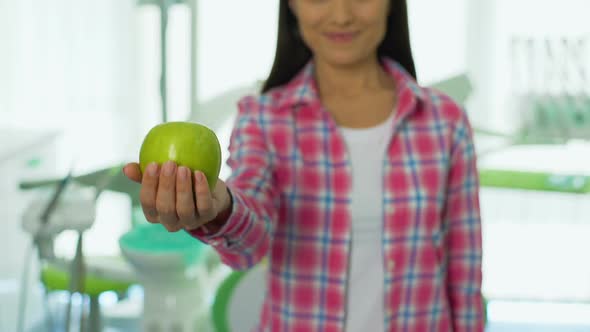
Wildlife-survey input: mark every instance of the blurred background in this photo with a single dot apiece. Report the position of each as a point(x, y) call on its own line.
point(81, 83)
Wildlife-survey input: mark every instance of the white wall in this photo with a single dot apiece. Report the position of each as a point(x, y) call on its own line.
point(437, 32)
point(69, 66)
point(236, 43)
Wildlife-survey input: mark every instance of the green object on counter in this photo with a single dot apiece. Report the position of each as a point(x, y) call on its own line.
point(540, 181)
point(55, 278)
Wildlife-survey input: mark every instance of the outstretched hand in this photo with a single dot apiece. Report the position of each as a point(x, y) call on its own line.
point(177, 198)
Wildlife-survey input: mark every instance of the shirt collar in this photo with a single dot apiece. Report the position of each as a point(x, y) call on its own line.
point(303, 90)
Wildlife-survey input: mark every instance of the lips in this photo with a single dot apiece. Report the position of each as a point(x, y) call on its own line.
point(341, 37)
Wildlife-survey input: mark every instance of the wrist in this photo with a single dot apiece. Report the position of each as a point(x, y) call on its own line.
point(228, 203)
point(222, 215)
point(225, 212)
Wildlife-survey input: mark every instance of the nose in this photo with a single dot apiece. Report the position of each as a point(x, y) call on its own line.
point(342, 12)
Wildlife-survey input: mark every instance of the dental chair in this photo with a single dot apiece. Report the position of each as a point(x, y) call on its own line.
point(90, 276)
point(172, 268)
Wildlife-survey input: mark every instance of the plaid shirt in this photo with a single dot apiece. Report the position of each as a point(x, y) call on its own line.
point(291, 187)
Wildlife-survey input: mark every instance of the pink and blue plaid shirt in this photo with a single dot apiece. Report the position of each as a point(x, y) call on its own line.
point(291, 186)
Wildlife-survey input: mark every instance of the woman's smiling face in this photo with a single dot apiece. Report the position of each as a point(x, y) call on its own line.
point(342, 32)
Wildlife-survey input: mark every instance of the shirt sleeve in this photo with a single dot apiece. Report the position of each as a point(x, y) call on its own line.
point(464, 238)
point(245, 237)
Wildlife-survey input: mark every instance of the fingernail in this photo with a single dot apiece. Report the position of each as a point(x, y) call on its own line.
point(152, 169)
point(182, 171)
point(168, 168)
point(198, 177)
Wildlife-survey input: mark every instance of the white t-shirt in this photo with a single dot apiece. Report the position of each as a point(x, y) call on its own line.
point(366, 150)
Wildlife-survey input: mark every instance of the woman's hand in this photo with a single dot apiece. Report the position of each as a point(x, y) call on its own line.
point(176, 197)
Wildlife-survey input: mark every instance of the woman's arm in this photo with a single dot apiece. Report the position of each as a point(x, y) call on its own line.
point(464, 239)
point(242, 236)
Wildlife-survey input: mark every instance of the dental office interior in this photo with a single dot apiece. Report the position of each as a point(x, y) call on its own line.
point(82, 82)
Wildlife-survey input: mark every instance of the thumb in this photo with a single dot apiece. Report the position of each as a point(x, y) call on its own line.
point(133, 172)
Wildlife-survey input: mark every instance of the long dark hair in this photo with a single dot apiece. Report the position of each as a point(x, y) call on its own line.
point(292, 53)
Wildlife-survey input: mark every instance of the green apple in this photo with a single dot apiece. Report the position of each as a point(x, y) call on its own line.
point(188, 144)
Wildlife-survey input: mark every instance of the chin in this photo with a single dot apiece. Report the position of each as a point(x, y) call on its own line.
point(345, 59)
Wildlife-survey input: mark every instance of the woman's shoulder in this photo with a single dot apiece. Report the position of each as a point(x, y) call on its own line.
point(446, 107)
point(280, 99)
point(432, 99)
point(267, 103)
point(449, 115)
